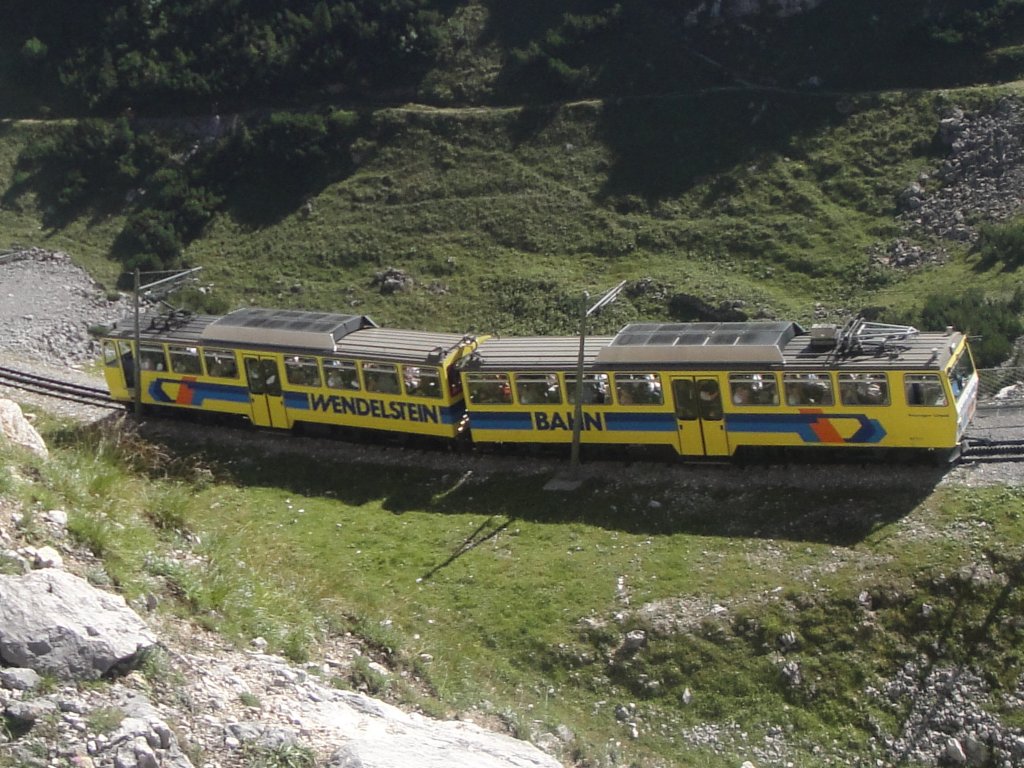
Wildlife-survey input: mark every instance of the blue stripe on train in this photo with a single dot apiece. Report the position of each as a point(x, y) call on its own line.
point(613, 422)
point(501, 420)
point(297, 400)
point(641, 422)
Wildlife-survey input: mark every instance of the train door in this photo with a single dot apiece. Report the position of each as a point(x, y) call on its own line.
point(698, 404)
point(265, 392)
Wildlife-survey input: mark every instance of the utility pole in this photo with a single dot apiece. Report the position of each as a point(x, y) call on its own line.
point(577, 419)
point(136, 359)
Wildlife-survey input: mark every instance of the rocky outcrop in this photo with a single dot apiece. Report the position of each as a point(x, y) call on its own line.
point(60, 625)
point(47, 306)
point(980, 180)
point(16, 429)
point(200, 697)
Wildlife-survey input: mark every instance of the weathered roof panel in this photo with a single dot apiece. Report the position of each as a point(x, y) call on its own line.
point(401, 346)
point(699, 343)
point(292, 329)
point(535, 353)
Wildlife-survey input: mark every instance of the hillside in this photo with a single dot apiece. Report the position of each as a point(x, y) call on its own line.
point(767, 175)
point(478, 165)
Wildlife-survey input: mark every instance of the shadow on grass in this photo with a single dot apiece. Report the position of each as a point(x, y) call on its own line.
point(814, 503)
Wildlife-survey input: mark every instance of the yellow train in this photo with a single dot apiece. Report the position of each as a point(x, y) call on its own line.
point(714, 389)
point(699, 389)
point(288, 369)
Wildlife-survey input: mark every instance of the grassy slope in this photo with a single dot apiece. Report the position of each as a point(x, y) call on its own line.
point(502, 216)
point(526, 624)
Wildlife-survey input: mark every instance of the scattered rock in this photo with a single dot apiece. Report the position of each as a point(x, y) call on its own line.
point(393, 280)
point(980, 180)
point(15, 428)
point(58, 624)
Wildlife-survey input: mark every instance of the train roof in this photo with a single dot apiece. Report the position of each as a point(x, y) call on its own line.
point(401, 346)
point(700, 343)
point(756, 345)
point(535, 353)
point(249, 327)
point(322, 333)
point(283, 328)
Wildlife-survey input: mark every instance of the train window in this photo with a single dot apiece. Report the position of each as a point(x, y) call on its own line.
point(538, 388)
point(685, 393)
point(961, 372)
point(595, 388)
point(864, 388)
point(185, 360)
point(491, 388)
point(221, 363)
point(753, 389)
point(127, 363)
point(263, 378)
point(151, 358)
point(382, 378)
point(454, 382)
point(638, 389)
point(110, 358)
point(808, 389)
point(302, 371)
point(421, 380)
point(924, 389)
point(341, 374)
point(709, 399)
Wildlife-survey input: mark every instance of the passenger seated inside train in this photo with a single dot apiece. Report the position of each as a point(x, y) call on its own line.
point(924, 390)
point(741, 394)
point(302, 371)
point(638, 389)
point(538, 389)
point(863, 389)
point(384, 382)
point(753, 389)
point(594, 390)
point(221, 367)
point(152, 360)
point(421, 382)
point(809, 389)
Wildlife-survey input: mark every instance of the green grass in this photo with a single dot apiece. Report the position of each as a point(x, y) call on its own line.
point(500, 598)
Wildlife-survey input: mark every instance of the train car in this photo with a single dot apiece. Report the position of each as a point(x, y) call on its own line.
point(286, 369)
point(716, 389)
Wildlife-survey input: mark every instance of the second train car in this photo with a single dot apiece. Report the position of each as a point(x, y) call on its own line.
point(717, 389)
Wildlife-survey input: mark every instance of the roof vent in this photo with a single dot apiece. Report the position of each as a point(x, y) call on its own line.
point(824, 336)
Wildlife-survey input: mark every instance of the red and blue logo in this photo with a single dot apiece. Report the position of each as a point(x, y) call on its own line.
point(812, 425)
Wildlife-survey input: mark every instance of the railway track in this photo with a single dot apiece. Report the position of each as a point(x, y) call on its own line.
point(978, 450)
point(57, 388)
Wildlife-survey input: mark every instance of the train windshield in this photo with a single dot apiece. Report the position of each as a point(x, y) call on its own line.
point(961, 372)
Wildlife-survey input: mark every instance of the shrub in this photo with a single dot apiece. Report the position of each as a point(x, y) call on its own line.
point(34, 50)
point(1002, 243)
point(994, 325)
point(149, 240)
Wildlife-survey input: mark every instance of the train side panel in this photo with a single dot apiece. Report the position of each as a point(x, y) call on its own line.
point(539, 407)
point(705, 413)
point(161, 387)
point(281, 390)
